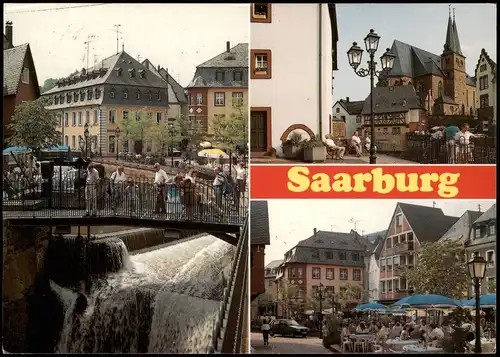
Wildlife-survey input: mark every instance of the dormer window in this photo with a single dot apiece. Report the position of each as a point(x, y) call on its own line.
point(131, 73)
point(219, 76)
point(118, 71)
point(150, 96)
point(138, 95)
point(125, 94)
point(112, 94)
point(56, 100)
point(89, 94)
point(158, 96)
point(238, 76)
point(82, 96)
point(61, 99)
point(68, 98)
point(142, 73)
point(75, 97)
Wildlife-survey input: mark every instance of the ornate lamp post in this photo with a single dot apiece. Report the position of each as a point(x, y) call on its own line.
point(117, 136)
point(171, 131)
point(86, 135)
point(477, 270)
point(387, 61)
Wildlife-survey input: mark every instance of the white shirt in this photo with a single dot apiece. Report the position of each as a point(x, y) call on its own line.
point(463, 138)
point(160, 177)
point(330, 143)
point(240, 173)
point(265, 327)
point(189, 178)
point(92, 176)
point(116, 177)
point(437, 333)
point(356, 139)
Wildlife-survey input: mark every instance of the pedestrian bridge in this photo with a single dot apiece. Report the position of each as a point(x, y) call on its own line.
point(173, 206)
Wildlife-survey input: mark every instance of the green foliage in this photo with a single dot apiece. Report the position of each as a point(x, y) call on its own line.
point(229, 132)
point(50, 83)
point(311, 143)
point(135, 128)
point(333, 330)
point(457, 317)
point(188, 129)
point(440, 270)
point(33, 125)
point(349, 293)
point(286, 295)
point(265, 300)
point(492, 286)
point(159, 134)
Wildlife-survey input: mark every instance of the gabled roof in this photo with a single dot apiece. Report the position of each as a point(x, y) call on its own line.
point(259, 223)
point(175, 91)
point(334, 240)
point(237, 57)
point(428, 223)
point(274, 264)
point(392, 99)
point(353, 108)
point(492, 63)
point(13, 61)
point(413, 62)
point(488, 215)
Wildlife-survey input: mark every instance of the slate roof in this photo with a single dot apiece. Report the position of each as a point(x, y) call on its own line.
point(237, 57)
point(412, 61)
point(175, 90)
point(428, 223)
point(488, 215)
point(120, 60)
point(492, 63)
point(274, 264)
point(13, 61)
point(452, 43)
point(259, 223)
point(353, 108)
point(392, 99)
point(471, 81)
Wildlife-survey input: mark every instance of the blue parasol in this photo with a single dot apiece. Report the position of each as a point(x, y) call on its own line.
point(370, 306)
point(425, 301)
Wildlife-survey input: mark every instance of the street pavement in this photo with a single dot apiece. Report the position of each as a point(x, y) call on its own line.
point(279, 345)
point(381, 159)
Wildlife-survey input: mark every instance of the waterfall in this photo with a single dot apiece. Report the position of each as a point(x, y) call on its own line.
point(162, 301)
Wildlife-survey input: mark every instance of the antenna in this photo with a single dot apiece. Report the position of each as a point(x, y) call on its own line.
point(118, 32)
point(355, 222)
point(479, 208)
point(90, 39)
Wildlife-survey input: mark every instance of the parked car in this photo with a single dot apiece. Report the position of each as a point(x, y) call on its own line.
point(288, 328)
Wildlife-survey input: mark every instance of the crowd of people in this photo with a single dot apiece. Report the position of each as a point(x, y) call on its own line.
point(459, 148)
point(358, 145)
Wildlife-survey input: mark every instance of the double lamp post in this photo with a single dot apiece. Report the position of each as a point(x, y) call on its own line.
point(477, 271)
point(387, 61)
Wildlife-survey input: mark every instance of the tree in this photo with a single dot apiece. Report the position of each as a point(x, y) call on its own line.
point(50, 83)
point(135, 129)
point(440, 270)
point(266, 302)
point(158, 133)
point(285, 296)
point(33, 125)
point(492, 286)
point(188, 130)
point(229, 132)
point(349, 293)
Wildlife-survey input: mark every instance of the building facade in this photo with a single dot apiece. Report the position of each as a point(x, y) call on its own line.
point(486, 74)
point(482, 240)
point(440, 79)
point(20, 80)
point(259, 226)
point(346, 117)
point(118, 88)
point(220, 87)
point(290, 92)
point(373, 268)
point(410, 226)
point(331, 259)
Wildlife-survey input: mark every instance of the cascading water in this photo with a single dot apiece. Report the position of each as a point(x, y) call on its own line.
point(163, 301)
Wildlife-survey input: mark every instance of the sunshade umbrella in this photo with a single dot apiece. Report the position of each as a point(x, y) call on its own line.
point(213, 154)
point(435, 128)
point(15, 149)
point(485, 301)
point(369, 307)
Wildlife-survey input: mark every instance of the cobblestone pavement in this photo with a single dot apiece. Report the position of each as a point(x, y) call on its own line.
point(381, 159)
point(279, 345)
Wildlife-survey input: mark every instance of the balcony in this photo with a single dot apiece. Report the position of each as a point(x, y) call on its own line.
point(400, 270)
point(405, 247)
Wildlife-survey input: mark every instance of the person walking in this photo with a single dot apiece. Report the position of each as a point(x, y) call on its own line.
point(265, 332)
point(161, 179)
point(117, 182)
point(91, 182)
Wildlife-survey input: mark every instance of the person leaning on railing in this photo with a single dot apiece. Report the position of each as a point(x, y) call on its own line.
point(91, 183)
point(161, 179)
point(117, 181)
point(219, 186)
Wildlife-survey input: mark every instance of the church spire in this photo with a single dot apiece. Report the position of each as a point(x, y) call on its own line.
point(452, 43)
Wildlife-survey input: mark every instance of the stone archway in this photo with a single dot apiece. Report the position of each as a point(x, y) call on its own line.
point(293, 127)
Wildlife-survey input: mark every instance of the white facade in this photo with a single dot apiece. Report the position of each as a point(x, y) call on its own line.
point(300, 88)
point(373, 279)
point(350, 120)
point(486, 69)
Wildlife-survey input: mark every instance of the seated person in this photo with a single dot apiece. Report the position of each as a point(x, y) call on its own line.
point(356, 143)
point(396, 331)
point(337, 151)
point(368, 142)
point(362, 328)
point(405, 333)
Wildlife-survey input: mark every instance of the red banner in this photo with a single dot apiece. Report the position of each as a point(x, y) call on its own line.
point(374, 182)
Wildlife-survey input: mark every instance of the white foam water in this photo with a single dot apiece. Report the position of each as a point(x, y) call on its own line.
point(165, 301)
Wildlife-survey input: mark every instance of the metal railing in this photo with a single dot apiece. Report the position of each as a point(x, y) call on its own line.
point(180, 201)
point(227, 335)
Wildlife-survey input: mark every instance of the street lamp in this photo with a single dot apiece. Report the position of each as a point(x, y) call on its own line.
point(81, 143)
point(354, 55)
point(117, 136)
point(319, 293)
point(171, 131)
point(477, 270)
point(86, 135)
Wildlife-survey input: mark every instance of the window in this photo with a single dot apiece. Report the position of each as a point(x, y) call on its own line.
point(329, 255)
point(490, 257)
point(440, 89)
point(66, 140)
point(389, 264)
point(125, 115)
point(491, 230)
point(138, 95)
point(112, 117)
point(150, 115)
point(96, 116)
point(389, 285)
point(300, 273)
point(73, 142)
point(137, 116)
point(79, 139)
point(388, 243)
point(316, 273)
point(80, 119)
point(355, 256)
point(199, 98)
point(260, 62)
point(68, 98)
point(125, 95)
point(219, 99)
point(382, 286)
point(482, 68)
point(89, 94)
point(26, 76)
point(261, 13)
point(399, 220)
point(158, 96)
point(158, 117)
point(112, 94)
point(343, 274)
point(356, 275)
point(342, 255)
point(237, 76)
point(342, 117)
point(382, 265)
point(219, 76)
point(191, 99)
point(330, 273)
point(150, 96)
point(396, 130)
point(75, 97)
point(66, 122)
point(82, 96)
point(337, 110)
point(74, 119)
point(56, 100)
point(270, 283)
point(315, 254)
point(237, 99)
point(292, 272)
point(111, 144)
point(97, 93)
point(87, 117)
point(484, 101)
point(483, 82)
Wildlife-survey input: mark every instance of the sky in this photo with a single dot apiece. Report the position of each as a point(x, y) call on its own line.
point(421, 25)
point(291, 221)
point(176, 36)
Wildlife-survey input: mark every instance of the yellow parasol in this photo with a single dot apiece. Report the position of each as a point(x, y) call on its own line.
point(213, 154)
point(435, 128)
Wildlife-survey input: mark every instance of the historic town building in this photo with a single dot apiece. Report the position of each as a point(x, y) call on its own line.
point(346, 117)
point(373, 269)
point(20, 83)
point(291, 92)
point(259, 226)
point(410, 226)
point(118, 88)
point(220, 87)
point(441, 80)
point(486, 84)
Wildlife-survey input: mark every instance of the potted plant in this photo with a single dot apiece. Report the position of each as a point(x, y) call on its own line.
point(314, 150)
point(291, 146)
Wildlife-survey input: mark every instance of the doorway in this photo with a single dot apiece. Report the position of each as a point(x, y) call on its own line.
point(260, 129)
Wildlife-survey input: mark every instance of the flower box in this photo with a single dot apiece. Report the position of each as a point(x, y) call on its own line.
point(315, 154)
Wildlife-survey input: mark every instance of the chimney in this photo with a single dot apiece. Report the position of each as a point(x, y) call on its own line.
point(228, 46)
point(8, 32)
point(315, 231)
point(158, 68)
point(347, 99)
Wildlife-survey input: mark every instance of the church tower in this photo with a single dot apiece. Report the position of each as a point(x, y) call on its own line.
point(453, 65)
